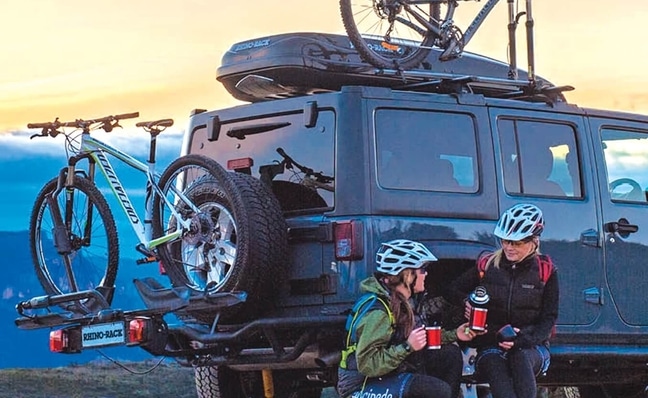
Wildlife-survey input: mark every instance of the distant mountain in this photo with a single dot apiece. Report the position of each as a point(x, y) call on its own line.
point(18, 282)
point(26, 166)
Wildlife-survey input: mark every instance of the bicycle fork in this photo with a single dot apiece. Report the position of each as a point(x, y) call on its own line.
point(61, 232)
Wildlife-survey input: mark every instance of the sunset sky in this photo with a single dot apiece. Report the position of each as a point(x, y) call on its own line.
point(79, 58)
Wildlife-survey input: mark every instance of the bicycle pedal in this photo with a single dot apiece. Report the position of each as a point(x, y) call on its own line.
point(146, 260)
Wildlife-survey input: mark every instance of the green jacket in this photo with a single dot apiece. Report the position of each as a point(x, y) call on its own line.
point(374, 354)
point(378, 351)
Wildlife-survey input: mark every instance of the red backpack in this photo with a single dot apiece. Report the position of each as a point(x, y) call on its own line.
point(545, 266)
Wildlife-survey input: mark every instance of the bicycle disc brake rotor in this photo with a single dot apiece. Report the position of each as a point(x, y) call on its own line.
point(201, 229)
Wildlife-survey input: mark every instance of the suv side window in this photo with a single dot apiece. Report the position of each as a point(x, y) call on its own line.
point(427, 151)
point(625, 163)
point(539, 158)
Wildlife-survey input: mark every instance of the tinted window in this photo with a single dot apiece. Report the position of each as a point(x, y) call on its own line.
point(430, 151)
point(626, 163)
point(260, 141)
point(539, 158)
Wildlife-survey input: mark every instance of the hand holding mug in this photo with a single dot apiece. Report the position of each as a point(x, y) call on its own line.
point(417, 339)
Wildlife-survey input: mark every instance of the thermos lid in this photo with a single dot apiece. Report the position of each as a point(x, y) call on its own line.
point(479, 296)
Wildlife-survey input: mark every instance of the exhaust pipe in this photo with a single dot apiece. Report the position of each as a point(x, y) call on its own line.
point(329, 360)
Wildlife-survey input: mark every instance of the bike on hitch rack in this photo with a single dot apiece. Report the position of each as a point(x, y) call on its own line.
point(73, 235)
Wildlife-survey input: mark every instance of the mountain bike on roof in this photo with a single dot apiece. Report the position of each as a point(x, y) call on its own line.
point(184, 224)
point(399, 34)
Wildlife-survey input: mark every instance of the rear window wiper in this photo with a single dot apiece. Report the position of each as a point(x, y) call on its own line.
point(241, 132)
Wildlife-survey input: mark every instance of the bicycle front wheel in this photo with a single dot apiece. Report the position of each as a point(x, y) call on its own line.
point(88, 256)
point(389, 33)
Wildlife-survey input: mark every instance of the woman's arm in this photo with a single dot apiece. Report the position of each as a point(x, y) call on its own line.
point(374, 354)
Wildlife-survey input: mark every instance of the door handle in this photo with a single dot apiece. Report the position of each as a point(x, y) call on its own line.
point(622, 227)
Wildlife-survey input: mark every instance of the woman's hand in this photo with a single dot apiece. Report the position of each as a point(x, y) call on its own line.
point(467, 310)
point(417, 339)
point(464, 333)
point(507, 345)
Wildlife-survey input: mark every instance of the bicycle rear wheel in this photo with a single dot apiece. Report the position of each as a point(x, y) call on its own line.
point(387, 33)
point(236, 240)
point(93, 256)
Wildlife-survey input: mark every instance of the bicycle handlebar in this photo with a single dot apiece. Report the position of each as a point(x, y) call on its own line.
point(51, 128)
point(289, 162)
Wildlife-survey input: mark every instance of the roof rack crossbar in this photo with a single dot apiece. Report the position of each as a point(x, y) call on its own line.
point(451, 77)
point(507, 88)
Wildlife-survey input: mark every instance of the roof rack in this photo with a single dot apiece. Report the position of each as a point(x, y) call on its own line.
point(489, 86)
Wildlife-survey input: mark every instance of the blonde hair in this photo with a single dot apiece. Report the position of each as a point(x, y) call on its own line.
point(496, 258)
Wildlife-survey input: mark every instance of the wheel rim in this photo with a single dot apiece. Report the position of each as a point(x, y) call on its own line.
point(208, 256)
point(86, 260)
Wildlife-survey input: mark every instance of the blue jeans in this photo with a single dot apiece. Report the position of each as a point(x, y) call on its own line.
point(512, 374)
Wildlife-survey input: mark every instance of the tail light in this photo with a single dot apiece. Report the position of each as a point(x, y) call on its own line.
point(58, 340)
point(348, 240)
point(65, 341)
point(137, 331)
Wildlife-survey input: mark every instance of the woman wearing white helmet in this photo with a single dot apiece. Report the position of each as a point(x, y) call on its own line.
point(382, 329)
point(523, 289)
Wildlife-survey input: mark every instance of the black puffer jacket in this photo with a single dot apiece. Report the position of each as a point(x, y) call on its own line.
point(518, 297)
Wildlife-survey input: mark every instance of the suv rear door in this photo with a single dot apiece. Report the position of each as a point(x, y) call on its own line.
point(621, 148)
point(543, 159)
point(250, 139)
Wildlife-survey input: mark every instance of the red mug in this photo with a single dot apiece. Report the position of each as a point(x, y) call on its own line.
point(433, 334)
point(478, 318)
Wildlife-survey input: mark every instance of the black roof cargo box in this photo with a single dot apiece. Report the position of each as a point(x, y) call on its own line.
point(296, 64)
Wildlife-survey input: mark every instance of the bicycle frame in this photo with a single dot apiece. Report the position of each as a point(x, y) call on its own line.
point(440, 28)
point(95, 149)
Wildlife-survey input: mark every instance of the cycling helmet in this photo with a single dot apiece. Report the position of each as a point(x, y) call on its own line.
point(397, 255)
point(519, 222)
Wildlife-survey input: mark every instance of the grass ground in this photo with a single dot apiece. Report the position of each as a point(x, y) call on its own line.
point(107, 380)
point(99, 381)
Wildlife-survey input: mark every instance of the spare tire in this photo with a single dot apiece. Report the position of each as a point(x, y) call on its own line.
point(240, 246)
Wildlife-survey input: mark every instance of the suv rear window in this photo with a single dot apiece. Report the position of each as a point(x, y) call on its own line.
point(260, 139)
point(426, 150)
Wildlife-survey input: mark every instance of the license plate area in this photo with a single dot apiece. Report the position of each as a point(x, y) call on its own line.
point(103, 334)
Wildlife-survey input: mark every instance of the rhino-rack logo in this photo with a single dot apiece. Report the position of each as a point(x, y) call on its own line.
point(109, 334)
point(104, 334)
point(250, 44)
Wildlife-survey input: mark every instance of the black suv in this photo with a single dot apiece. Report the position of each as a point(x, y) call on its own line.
point(357, 157)
point(331, 157)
